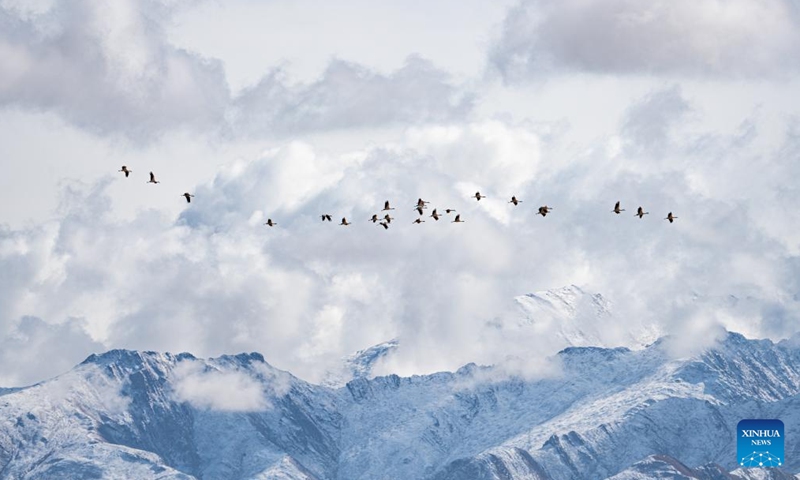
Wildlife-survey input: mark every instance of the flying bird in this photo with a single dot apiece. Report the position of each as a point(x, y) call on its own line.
point(449, 210)
point(617, 209)
point(153, 178)
point(388, 218)
point(421, 203)
point(478, 196)
point(344, 221)
point(374, 218)
point(419, 209)
point(670, 217)
point(419, 220)
point(270, 222)
point(325, 216)
point(515, 201)
point(386, 206)
point(641, 213)
point(188, 197)
point(435, 215)
point(543, 211)
point(458, 219)
point(125, 169)
point(384, 225)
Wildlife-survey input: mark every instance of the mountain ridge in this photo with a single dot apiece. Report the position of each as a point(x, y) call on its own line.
point(150, 415)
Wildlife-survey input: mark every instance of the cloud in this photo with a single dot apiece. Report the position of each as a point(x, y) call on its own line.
point(215, 280)
point(649, 124)
point(348, 95)
point(685, 37)
point(107, 68)
point(228, 391)
point(33, 348)
point(110, 69)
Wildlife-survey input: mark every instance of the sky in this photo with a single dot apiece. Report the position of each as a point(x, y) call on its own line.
point(287, 110)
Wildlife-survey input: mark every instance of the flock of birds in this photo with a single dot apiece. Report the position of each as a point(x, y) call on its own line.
point(421, 206)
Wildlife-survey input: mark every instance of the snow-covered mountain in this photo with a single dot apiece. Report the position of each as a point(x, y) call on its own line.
point(581, 319)
point(606, 413)
point(359, 364)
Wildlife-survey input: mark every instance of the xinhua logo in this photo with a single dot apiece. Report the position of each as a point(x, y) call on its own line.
point(760, 443)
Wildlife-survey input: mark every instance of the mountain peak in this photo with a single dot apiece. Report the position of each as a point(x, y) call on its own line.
point(359, 364)
point(576, 317)
point(129, 357)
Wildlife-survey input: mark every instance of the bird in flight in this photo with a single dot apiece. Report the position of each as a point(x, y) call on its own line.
point(515, 201)
point(384, 225)
point(325, 216)
point(344, 221)
point(386, 206)
point(188, 197)
point(153, 178)
point(543, 211)
point(388, 218)
point(617, 209)
point(374, 218)
point(422, 203)
point(641, 213)
point(449, 210)
point(125, 169)
point(458, 219)
point(435, 215)
point(478, 196)
point(270, 222)
point(419, 209)
point(419, 220)
point(670, 217)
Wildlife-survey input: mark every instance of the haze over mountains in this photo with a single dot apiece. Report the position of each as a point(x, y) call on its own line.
point(594, 413)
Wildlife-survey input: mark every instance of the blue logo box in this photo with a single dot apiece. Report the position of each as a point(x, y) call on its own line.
point(759, 443)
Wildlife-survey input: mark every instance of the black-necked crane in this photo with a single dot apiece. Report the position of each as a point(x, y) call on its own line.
point(670, 217)
point(270, 222)
point(419, 220)
point(422, 203)
point(449, 211)
point(419, 209)
point(153, 178)
point(388, 218)
point(458, 219)
point(435, 215)
point(641, 213)
point(617, 209)
point(515, 201)
point(374, 218)
point(325, 216)
point(386, 206)
point(188, 196)
point(126, 170)
point(384, 225)
point(478, 196)
point(344, 221)
point(544, 210)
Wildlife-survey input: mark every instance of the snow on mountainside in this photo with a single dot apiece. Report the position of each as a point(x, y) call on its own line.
point(117, 415)
point(611, 412)
point(581, 319)
point(359, 364)
point(662, 466)
point(606, 413)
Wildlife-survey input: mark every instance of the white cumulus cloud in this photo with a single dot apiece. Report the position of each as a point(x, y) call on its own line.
point(229, 391)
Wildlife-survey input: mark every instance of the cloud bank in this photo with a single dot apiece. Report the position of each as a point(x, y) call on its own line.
point(697, 38)
point(305, 293)
point(118, 74)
